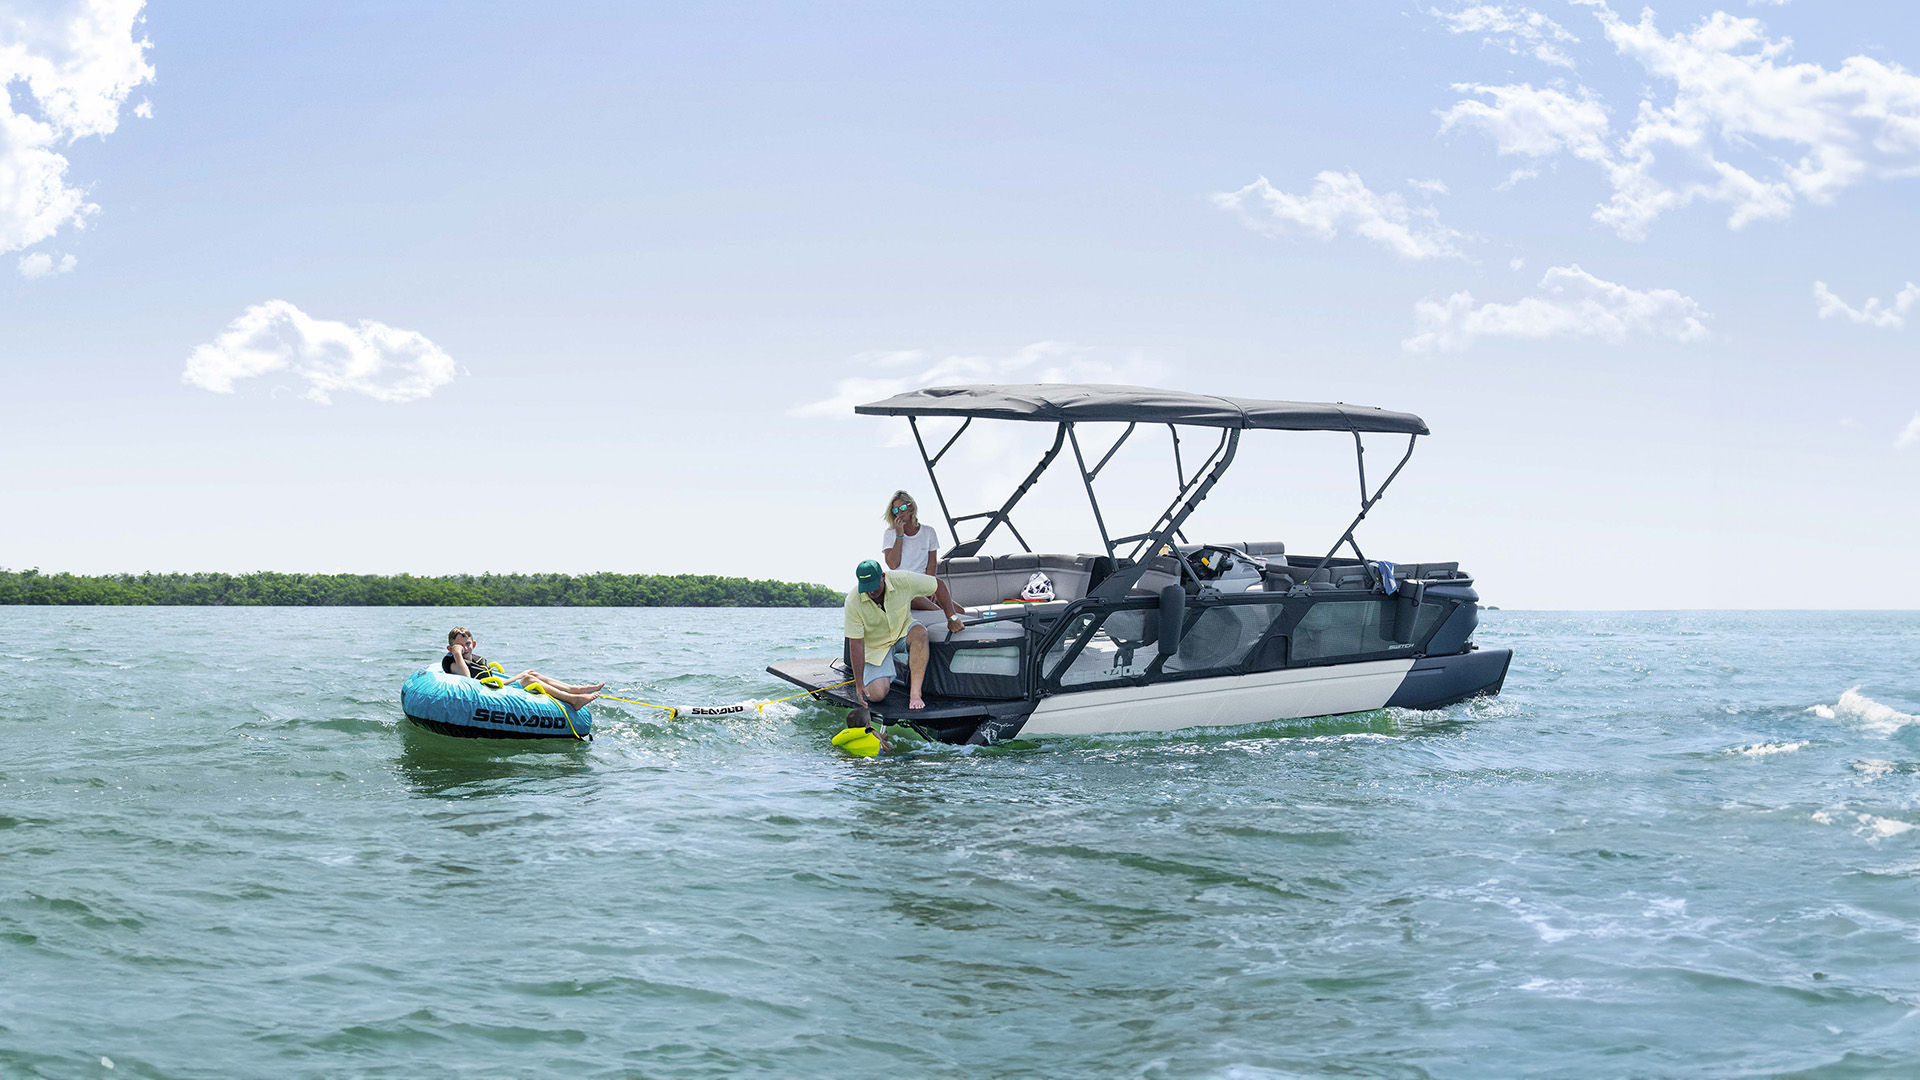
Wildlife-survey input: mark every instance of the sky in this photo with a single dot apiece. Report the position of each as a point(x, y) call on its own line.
point(448, 288)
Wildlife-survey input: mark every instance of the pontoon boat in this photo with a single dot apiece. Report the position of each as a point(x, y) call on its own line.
point(1157, 633)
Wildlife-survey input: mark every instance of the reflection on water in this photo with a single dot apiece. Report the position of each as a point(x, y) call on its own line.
point(441, 765)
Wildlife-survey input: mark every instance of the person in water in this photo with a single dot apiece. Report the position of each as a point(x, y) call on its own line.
point(909, 545)
point(461, 659)
point(879, 627)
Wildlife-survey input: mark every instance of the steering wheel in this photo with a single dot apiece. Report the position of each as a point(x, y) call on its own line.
point(1208, 563)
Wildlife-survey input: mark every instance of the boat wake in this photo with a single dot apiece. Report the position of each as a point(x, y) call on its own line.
point(1855, 707)
point(1765, 749)
point(1872, 826)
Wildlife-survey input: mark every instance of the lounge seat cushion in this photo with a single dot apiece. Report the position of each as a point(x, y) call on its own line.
point(977, 582)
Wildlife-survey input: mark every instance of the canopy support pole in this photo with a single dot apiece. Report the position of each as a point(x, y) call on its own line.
point(914, 423)
point(1086, 478)
point(1366, 502)
point(999, 517)
point(1175, 515)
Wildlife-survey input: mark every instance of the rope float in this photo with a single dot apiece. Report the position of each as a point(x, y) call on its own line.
point(690, 712)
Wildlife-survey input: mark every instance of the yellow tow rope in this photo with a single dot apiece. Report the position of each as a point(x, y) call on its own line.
point(536, 688)
point(673, 711)
point(498, 680)
point(858, 741)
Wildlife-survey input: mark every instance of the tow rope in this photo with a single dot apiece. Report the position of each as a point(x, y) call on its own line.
point(689, 712)
point(857, 739)
point(536, 688)
point(498, 679)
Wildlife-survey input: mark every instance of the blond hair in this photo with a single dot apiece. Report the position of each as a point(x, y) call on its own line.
point(456, 634)
point(896, 499)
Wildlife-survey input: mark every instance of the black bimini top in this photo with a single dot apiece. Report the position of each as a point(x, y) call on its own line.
point(1074, 403)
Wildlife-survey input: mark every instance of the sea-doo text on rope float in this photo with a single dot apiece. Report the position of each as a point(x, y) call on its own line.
point(1158, 634)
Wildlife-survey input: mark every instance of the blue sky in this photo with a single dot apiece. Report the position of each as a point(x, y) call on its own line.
point(581, 286)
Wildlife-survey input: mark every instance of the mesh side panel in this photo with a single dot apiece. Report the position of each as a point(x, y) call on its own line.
point(978, 670)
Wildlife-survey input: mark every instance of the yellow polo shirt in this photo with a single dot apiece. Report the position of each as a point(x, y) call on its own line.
point(881, 626)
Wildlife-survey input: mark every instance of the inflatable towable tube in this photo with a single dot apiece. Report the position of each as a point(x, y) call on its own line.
point(451, 705)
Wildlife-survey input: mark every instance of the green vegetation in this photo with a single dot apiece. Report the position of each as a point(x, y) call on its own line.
point(405, 590)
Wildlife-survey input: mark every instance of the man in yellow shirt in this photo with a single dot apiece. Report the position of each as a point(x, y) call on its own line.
point(879, 626)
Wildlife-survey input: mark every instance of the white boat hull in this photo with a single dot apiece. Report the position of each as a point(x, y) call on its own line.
point(1221, 702)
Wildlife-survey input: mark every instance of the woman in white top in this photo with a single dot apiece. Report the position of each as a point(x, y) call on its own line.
point(909, 545)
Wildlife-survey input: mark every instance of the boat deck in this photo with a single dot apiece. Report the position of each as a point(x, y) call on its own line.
point(948, 719)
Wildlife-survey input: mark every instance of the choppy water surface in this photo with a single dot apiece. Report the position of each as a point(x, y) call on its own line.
point(1681, 845)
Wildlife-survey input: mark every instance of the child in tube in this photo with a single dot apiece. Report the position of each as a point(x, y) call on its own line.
point(461, 659)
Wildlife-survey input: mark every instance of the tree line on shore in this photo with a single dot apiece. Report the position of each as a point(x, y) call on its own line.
point(268, 588)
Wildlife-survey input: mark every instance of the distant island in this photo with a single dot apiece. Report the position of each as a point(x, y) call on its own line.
point(266, 588)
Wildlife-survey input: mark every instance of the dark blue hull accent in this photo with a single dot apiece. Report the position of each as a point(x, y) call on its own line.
point(1442, 680)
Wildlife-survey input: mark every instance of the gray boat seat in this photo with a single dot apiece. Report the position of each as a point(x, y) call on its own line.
point(1347, 576)
point(971, 581)
point(979, 581)
point(1350, 575)
point(1162, 571)
point(971, 564)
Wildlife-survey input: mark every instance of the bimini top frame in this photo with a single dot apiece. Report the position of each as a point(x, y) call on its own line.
point(1067, 405)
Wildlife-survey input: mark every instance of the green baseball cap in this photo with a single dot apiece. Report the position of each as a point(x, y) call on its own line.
point(869, 574)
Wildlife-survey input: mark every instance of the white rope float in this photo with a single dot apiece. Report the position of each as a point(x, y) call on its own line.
point(690, 712)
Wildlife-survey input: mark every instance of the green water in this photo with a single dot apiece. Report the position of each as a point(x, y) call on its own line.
point(1677, 847)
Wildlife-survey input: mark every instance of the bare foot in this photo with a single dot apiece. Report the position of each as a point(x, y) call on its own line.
point(591, 698)
point(595, 688)
point(914, 702)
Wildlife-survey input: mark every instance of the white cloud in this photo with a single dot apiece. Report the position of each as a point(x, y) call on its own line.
point(1516, 29)
point(1341, 202)
point(1910, 435)
point(39, 264)
point(1570, 303)
point(1429, 187)
point(1516, 263)
point(1742, 125)
point(1533, 122)
point(1040, 362)
point(77, 60)
point(1515, 178)
point(1873, 313)
point(324, 357)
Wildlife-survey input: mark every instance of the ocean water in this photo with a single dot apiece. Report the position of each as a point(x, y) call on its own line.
point(1680, 845)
